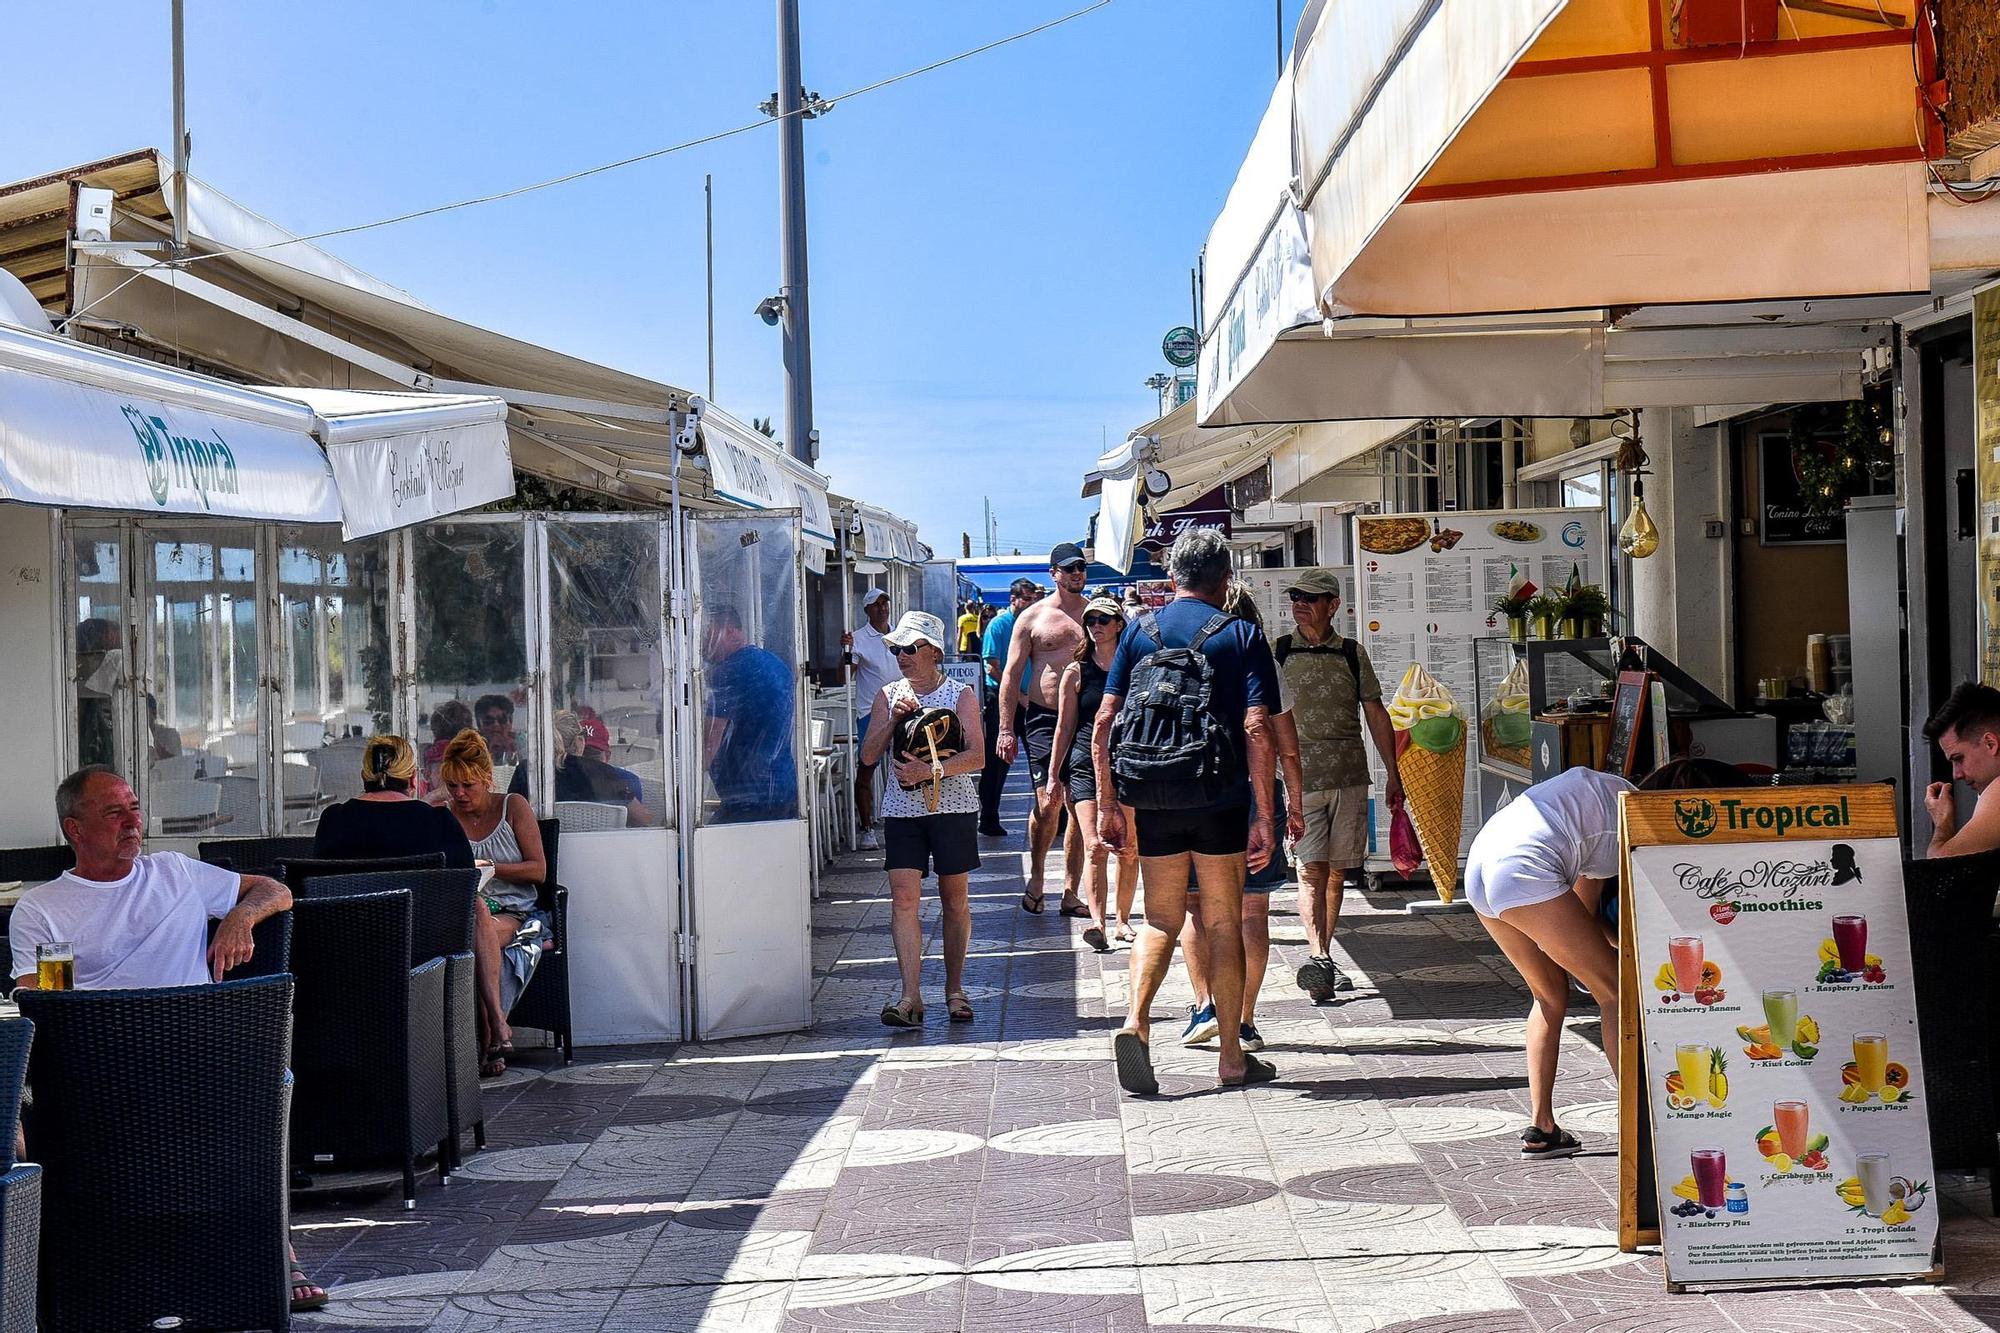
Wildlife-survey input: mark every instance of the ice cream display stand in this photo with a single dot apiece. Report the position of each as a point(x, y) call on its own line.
point(1772, 1103)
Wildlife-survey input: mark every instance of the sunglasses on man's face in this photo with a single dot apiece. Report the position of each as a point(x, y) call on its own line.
point(904, 649)
point(1298, 597)
point(1073, 567)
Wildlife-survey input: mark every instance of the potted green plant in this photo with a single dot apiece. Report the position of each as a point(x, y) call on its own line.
point(1544, 609)
point(1585, 608)
point(1513, 607)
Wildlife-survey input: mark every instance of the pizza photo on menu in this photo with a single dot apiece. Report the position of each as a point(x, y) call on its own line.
point(1392, 536)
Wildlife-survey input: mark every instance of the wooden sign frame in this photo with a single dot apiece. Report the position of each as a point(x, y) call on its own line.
point(1649, 819)
point(1628, 722)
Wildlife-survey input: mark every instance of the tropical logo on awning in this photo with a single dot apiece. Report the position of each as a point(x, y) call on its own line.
point(181, 462)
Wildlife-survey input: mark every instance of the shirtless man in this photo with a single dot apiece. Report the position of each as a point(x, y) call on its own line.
point(1967, 731)
point(1046, 637)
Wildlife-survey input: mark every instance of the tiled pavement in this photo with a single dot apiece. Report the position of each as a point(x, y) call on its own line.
point(991, 1176)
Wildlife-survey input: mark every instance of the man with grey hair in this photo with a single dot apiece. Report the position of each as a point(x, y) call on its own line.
point(1186, 848)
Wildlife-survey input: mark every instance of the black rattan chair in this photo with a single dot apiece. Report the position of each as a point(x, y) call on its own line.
point(20, 1190)
point(35, 863)
point(271, 943)
point(296, 870)
point(1951, 943)
point(441, 926)
point(545, 1002)
point(369, 1049)
point(159, 1116)
point(255, 856)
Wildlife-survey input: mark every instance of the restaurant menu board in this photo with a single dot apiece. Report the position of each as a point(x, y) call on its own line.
point(1425, 583)
point(1778, 1023)
point(1986, 458)
point(1267, 589)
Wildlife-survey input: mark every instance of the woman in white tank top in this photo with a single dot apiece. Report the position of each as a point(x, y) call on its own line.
point(920, 834)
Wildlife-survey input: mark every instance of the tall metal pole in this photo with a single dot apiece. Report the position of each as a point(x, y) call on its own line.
point(792, 182)
point(1279, 5)
point(708, 210)
point(180, 131)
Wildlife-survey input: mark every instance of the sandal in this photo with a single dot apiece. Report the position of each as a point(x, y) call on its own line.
point(903, 1015)
point(1076, 907)
point(1557, 1142)
point(492, 1066)
point(958, 1006)
point(306, 1294)
point(1031, 903)
point(1123, 933)
point(1135, 1064)
point(1254, 1071)
point(1094, 937)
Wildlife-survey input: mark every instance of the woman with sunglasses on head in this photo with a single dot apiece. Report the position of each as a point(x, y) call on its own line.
point(1074, 781)
point(930, 811)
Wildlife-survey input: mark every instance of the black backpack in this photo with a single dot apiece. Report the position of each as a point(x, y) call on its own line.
point(1285, 647)
point(1169, 751)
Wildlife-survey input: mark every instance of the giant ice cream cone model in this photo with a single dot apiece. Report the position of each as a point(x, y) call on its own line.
point(1430, 758)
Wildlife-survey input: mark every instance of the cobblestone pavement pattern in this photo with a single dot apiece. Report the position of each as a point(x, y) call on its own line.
point(990, 1176)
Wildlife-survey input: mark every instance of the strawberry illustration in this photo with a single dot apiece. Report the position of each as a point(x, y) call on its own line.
point(1724, 913)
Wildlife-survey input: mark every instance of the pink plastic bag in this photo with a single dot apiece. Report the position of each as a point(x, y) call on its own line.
point(1405, 852)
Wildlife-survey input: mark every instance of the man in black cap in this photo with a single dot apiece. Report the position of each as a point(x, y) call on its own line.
point(1046, 637)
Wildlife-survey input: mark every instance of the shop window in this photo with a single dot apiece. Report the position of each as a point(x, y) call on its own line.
point(472, 645)
point(101, 686)
point(333, 642)
point(607, 672)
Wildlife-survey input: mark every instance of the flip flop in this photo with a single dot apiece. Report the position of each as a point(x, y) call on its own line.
point(492, 1067)
point(1559, 1142)
point(897, 1016)
point(1078, 909)
point(1031, 903)
point(1135, 1065)
point(315, 1297)
point(958, 1006)
point(1254, 1071)
point(1094, 937)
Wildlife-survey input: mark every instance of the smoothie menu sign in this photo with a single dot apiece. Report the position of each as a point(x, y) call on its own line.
point(1777, 1018)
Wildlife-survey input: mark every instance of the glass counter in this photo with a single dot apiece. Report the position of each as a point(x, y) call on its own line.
point(1514, 683)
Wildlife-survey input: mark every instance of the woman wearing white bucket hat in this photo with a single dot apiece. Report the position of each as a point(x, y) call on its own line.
point(930, 813)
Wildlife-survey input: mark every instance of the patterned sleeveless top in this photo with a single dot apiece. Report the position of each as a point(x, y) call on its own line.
point(956, 795)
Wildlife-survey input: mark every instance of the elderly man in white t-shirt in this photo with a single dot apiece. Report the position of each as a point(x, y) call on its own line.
point(137, 921)
point(874, 668)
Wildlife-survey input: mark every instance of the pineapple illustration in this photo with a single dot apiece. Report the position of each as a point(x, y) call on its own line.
point(1718, 1079)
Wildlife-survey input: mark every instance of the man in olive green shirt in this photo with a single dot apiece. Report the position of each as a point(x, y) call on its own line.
point(1329, 687)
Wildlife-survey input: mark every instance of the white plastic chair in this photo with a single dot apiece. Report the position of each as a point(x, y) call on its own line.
point(182, 805)
point(300, 784)
point(339, 766)
point(589, 816)
point(634, 754)
point(822, 733)
point(239, 749)
point(180, 768)
point(305, 735)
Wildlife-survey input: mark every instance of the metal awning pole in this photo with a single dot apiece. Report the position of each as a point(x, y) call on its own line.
point(180, 131)
point(847, 676)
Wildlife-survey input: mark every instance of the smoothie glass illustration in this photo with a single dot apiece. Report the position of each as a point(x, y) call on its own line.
point(1711, 1176)
point(1793, 1120)
point(1686, 954)
point(1850, 937)
point(1781, 1011)
point(1693, 1061)
point(1871, 1060)
point(1872, 1168)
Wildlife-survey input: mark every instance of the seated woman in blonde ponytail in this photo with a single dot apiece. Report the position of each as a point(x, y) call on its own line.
point(385, 820)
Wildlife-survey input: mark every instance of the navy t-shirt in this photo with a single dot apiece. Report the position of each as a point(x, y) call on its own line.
point(1239, 657)
point(751, 690)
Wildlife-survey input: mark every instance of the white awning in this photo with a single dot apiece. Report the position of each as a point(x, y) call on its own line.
point(884, 536)
point(85, 428)
point(1376, 91)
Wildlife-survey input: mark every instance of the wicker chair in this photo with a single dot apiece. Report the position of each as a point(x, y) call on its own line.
point(254, 856)
point(35, 863)
point(159, 1117)
point(441, 926)
point(20, 1190)
point(369, 1054)
point(271, 948)
point(1951, 944)
point(296, 870)
point(545, 1002)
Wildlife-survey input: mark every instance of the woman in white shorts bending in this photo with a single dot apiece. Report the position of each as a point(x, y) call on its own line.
point(1535, 875)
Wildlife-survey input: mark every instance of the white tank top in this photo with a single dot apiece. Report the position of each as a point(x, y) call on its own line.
point(956, 795)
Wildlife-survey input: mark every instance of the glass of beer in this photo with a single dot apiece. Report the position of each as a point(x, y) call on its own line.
point(55, 965)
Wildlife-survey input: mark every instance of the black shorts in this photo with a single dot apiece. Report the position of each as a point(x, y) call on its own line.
point(1038, 738)
point(1080, 776)
point(1218, 830)
point(947, 843)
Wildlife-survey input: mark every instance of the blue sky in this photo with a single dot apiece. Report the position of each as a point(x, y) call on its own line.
point(997, 247)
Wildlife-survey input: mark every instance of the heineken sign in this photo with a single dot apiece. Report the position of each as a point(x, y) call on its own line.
point(1181, 346)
